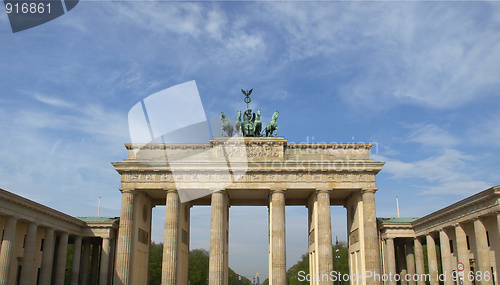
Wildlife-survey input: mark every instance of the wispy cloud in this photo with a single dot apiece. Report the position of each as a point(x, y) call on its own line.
point(432, 135)
point(52, 101)
point(445, 173)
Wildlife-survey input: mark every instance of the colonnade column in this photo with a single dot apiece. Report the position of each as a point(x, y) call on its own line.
point(7, 247)
point(444, 242)
point(325, 251)
point(27, 276)
point(432, 259)
point(47, 257)
point(410, 262)
point(75, 265)
point(84, 277)
point(419, 261)
point(498, 235)
point(401, 258)
point(483, 251)
point(372, 253)
point(462, 251)
point(94, 262)
point(277, 241)
point(218, 234)
point(103, 272)
point(390, 260)
point(62, 251)
point(170, 239)
point(124, 247)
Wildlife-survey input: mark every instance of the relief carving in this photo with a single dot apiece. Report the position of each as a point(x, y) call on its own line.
point(249, 151)
point(344, 177)
point(134, 177)
point(166, 177)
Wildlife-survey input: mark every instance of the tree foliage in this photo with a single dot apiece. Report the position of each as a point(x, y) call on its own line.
point(198, 267)
point(199, 264)
point(340, 265)
point(155, 262)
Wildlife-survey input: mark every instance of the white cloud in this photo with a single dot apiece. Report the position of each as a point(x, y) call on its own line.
point(62, 159)
point(432, 135)
point(395, 51)
point(447, 173)
point(52, 101)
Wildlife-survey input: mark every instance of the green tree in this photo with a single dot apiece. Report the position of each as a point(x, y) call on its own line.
point(234, 279)
point(198, 266)
point(155, 262)
point(292, 275)
point(340, 264)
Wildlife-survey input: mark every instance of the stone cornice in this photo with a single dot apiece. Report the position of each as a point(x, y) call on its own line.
point(27, 210)
point(330, 146)
point(292, 165)
point(481, 204)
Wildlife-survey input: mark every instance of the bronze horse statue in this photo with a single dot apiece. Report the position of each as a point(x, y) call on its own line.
point(226, 126)
point(239, 130)
point(272, 126)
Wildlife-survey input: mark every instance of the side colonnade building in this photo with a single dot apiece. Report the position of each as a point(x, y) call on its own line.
point(35, 240)
point(435, 248)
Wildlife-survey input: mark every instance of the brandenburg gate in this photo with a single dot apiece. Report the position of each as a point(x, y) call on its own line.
point(250, 171)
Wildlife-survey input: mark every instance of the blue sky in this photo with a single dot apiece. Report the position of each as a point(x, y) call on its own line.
point(420, 80)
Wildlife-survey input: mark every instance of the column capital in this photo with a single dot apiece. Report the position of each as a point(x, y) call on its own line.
point(323, 188)
point(368, 190)
point(12, 218)
point(478, 218)
point(131, 191)
point(170, 190)
point(278, 188)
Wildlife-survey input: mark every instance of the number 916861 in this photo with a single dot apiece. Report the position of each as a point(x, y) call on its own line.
point(28, 8)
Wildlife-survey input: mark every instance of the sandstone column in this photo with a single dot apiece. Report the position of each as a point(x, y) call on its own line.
point(432, 259)
point(498, 240)
point(27, 274)
point(84, 277)
point(124, 247)
point(94, 262)
point(372, 253)
point(217, 268)
point(391, 260)
point(47, 257)
point(103, 272)
point(61, 259)
point(277, 238)
point(419, 261)
point(7, 248)
point(401, 262)
point(325, 251)
point(410, 262)
point(444, 242)
point(75, 265)
point(483, 251)
point(170, 239)
point(462, 251)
